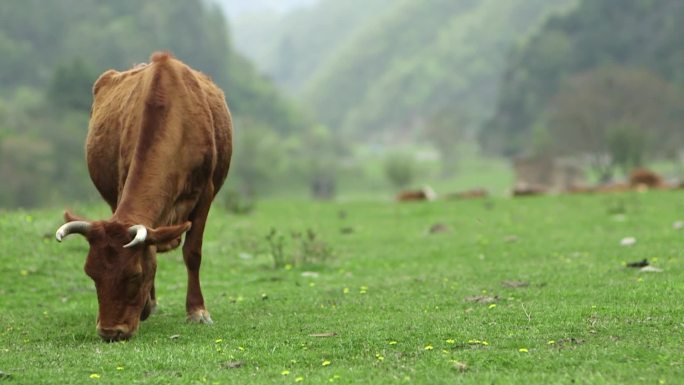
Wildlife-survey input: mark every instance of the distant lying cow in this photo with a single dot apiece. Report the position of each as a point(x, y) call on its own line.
point(470, 194)
point(526, 190)
point(641, 177)
point(158, 150)
point(424, 194)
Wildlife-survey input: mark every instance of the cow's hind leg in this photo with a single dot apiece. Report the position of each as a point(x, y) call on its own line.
point(192, 255)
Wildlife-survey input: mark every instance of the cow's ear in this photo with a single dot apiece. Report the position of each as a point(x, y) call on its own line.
point(69, 217)
point(103, 81)
point(167, 234)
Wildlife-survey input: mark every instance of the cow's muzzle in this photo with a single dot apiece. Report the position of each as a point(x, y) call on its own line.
point(118, 333)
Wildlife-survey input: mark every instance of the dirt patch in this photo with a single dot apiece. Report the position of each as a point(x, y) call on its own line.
point(568, 343)
point(233, 364)
point(482, 298)
point(323, 335)
point(438, 228)
point(515, 284)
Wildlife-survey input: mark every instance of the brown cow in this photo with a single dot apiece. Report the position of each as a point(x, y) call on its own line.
point(645, 178)
point(424, 194)
point(158, 150)
point(470, 194)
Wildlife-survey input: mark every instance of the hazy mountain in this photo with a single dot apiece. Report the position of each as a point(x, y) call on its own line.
point(368, 66)
point(238, 8)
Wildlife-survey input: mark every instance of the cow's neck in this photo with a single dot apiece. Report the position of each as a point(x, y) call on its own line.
point(150, 187)
point(145, 198)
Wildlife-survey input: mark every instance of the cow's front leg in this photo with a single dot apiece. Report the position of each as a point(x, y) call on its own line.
point(192, 255)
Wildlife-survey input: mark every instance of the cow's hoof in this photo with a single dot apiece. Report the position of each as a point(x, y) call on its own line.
point(200, 316)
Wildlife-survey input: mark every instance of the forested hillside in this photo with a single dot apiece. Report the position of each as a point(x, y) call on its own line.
point(291, 48)
point(603, 80)
point(385, 67)
point(53, 51)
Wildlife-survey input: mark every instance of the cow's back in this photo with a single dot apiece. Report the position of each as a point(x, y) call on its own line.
point(152, 128)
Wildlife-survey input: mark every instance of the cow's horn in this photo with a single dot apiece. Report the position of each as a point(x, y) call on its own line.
point(139, 232)
point(79, 227)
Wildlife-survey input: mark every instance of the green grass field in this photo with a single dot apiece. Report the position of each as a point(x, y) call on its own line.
point(365, 294)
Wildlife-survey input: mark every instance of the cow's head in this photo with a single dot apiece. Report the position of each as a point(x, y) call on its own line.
point(122, 263)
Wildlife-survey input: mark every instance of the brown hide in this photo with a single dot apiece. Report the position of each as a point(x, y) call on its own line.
point(644, 177)
point(158, 150)
point(470, 194)
point(424, 194)
point(524, 191)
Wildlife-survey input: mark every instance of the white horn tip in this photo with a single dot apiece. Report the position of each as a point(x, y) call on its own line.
point(140, 232)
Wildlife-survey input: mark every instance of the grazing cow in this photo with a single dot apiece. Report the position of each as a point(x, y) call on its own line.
point(424, 194)
point(158, 150)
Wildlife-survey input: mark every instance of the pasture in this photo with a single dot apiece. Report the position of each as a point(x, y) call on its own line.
point(525, 291)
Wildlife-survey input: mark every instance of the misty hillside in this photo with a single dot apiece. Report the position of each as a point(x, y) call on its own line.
point(50, 60)
point(391, 66)
point(599, 34)
point(238, 8)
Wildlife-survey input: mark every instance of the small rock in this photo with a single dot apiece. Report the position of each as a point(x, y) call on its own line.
point(628, 241)
point(678, 225)
point(650, 269)
point(174, 337)
point(460, 366)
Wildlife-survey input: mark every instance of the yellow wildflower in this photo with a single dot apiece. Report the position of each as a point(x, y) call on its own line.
point(95, 376)
point(523, 350)
point(325, 363)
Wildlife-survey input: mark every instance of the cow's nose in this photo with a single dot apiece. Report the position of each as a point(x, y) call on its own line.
point(114, 334)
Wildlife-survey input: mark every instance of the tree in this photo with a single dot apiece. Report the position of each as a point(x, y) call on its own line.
point(618, 117)
point(445, 130)
point(591, 35)
point(400, 169)
point(257, 158)
point(71, 86)
point(320, 154)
